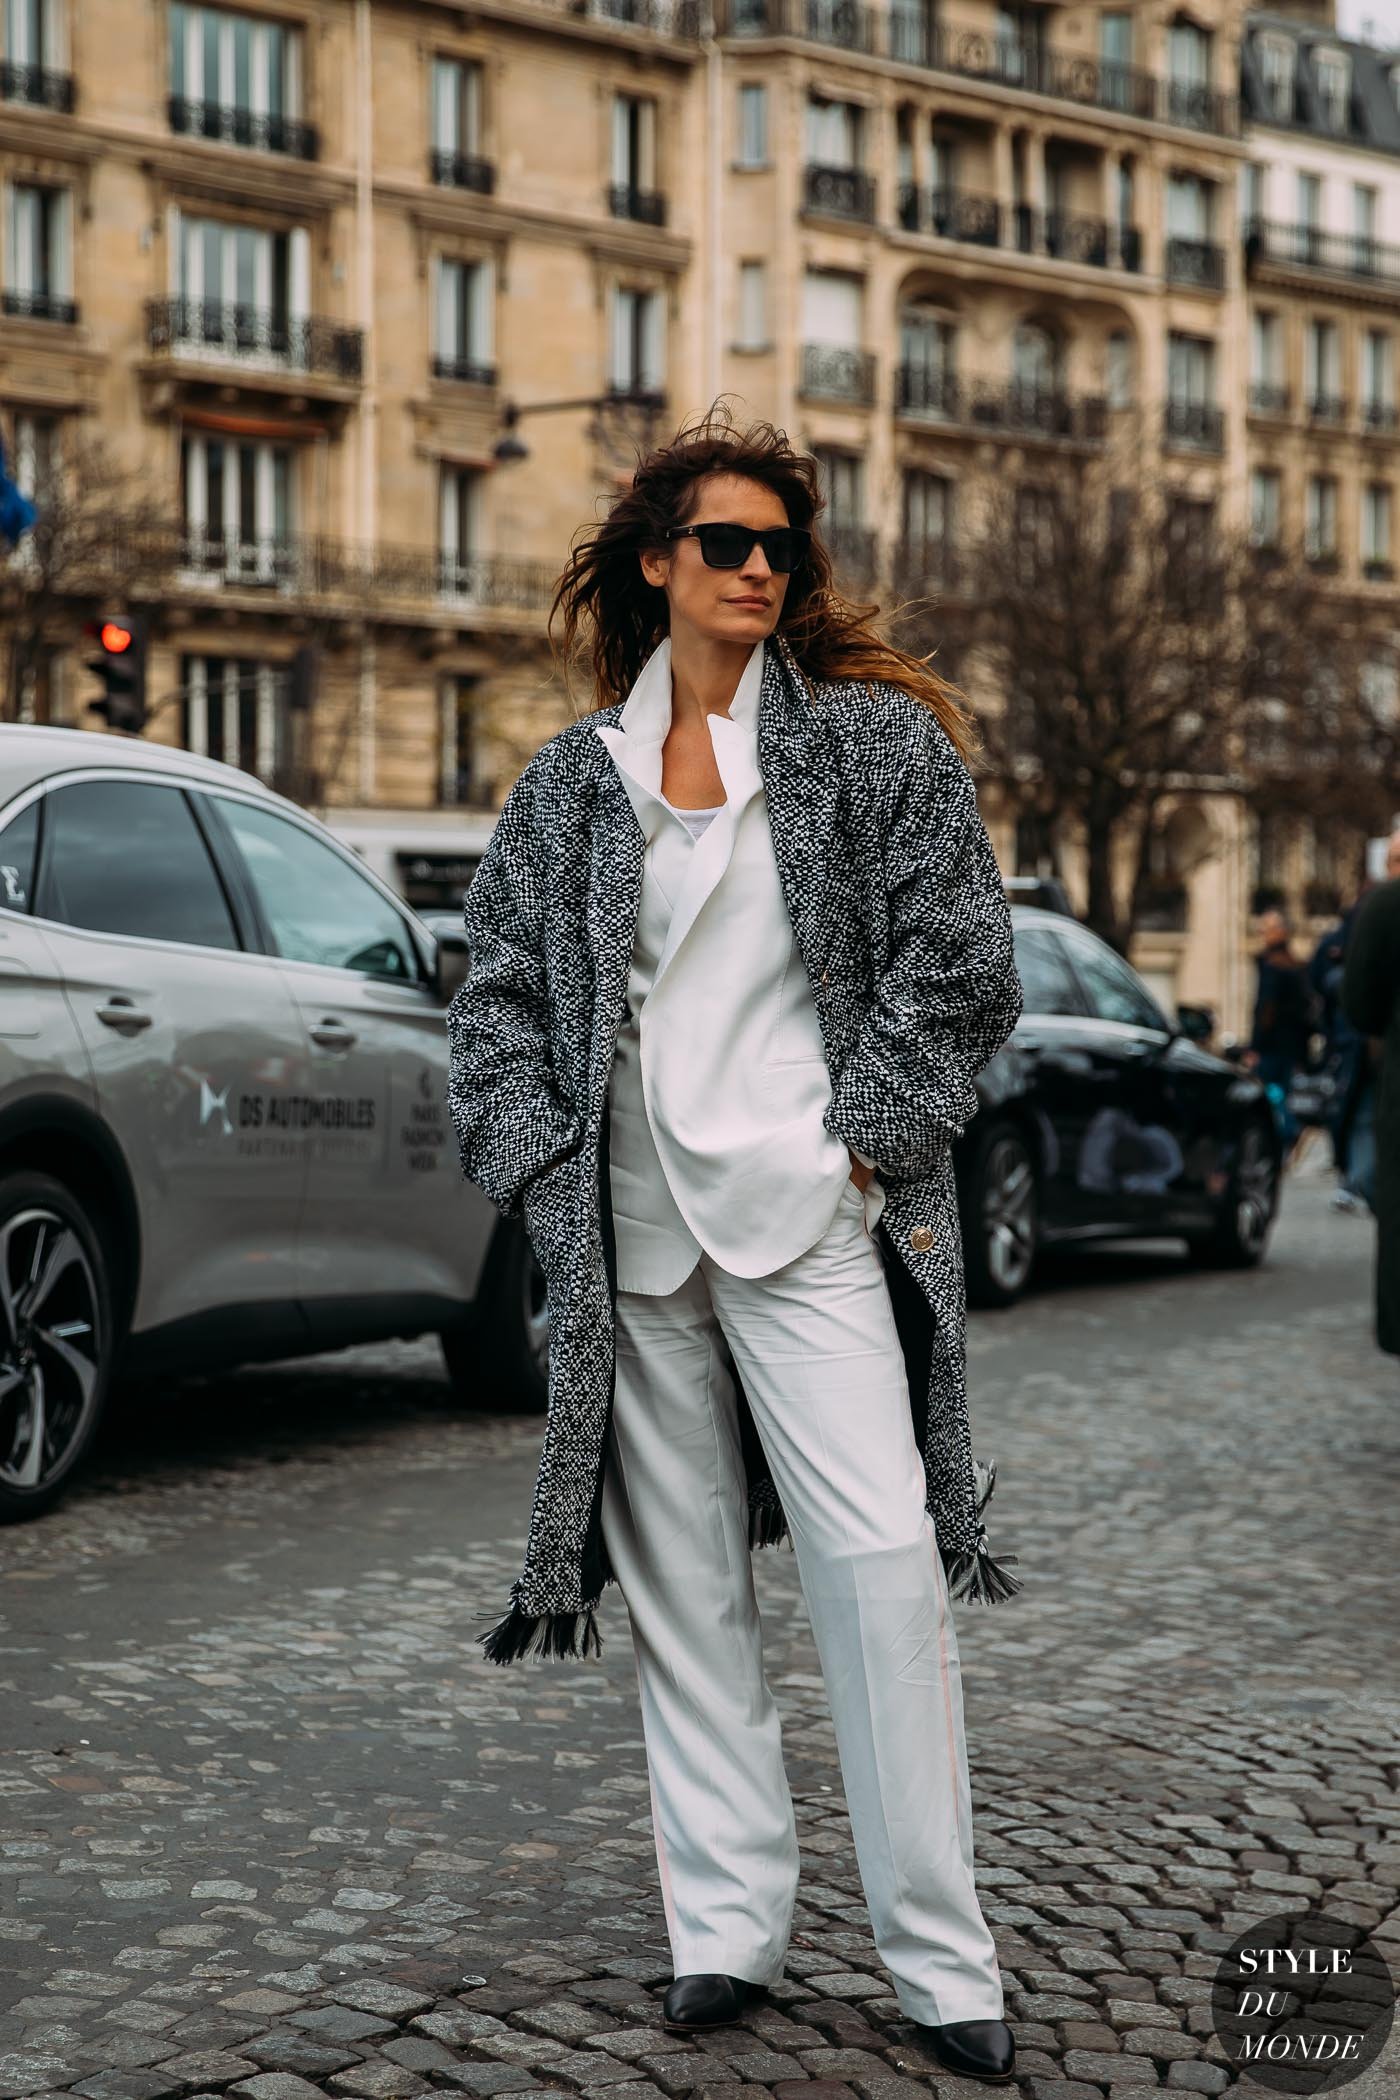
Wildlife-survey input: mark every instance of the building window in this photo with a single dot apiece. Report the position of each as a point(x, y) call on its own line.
point(1265, 506)
point(753, 306)
point(834, 133)
point(1322, 367)
point(456, 125)
point(634, 193)
point(1035, 361)
point(1332, 70)
point(1276, 66)
point(1375, 525)
point(38, 253)
point(1116, 39)
point(1118, 369)
point(1188, 72)
point(1320, 527)
point(236, 710)
point(1378, 375)
point(1309, 195)
point(1265, 349)
point(236, 503)
point(242, 291)
point(463, 321)
point(460, 504)
point(462, 784)
point(35, 55)
point(237, 78)
point(636, 355)
point(1251, 192)
point(753, 124)
point(927, 521)
point(34, 454)
point(1364, 201)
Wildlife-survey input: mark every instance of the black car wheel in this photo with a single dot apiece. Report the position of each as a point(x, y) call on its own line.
point(56, 1341)
point(499, 1362)
point(1247, 1212)
point(1000, 1216)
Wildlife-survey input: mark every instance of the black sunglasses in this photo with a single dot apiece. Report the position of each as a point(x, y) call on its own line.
point(725, 546)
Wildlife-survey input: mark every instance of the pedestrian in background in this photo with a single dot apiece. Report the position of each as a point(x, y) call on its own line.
point(1283, 1021)
point(1371, 1000)
point(1344, 1053)
point(739, 944)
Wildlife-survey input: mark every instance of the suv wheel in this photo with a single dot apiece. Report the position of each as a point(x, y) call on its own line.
point(1001, 1216)
point(499, 1363)
point(55, 1340)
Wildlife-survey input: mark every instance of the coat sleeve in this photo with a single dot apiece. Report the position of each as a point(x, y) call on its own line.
point(510, 1119)
point(1371, 977)
point(949, 995)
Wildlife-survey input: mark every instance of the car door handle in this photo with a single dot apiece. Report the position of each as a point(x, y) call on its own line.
point(124, 1015)
point(333, 1035)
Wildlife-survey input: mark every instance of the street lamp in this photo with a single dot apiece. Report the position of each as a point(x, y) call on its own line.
point(607, 408)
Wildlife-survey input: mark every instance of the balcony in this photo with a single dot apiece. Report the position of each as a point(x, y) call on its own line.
point(294, 569)
point(909, 37)
point(1198, 263)
point(1378, 568)
point(1381, 418)
point(1194, 426)
point(832, 373)
point(231, 125)
point(1327, 408)
point(839, 193)
point(1268, 398)
point(677, 18)
point(1308, 248)
point(954, 215)
point(1019, 408)
point(39, 306)
point(644, 207)
point(466, 371)
point(208, 331)
point(461, 171)
point(984, 222)
point(854, 554)
point(37, 87)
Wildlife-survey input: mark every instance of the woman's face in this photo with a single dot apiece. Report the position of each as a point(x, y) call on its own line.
point(728, 605)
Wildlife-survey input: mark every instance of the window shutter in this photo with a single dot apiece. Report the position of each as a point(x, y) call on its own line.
point(481, 312)
point(653, 340)
point(299, 273)
point(620, 373)
point(445, 106)
point(622, 171)
point(469, 115)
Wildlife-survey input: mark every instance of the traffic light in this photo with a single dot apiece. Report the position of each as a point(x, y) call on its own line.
point(120, 663)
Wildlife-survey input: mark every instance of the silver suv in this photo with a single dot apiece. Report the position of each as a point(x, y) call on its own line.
point(223, 1127)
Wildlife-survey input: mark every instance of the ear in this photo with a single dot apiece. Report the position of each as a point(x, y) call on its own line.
point(656, 568)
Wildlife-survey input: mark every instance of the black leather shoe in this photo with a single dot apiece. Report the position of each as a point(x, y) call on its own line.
point(706, 2001)
point(975, 2048)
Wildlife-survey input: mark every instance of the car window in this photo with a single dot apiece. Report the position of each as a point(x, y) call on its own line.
point(18, 842)
point(1047, 981)
point(126, 856)
point(317, 907)
point(1115, 992)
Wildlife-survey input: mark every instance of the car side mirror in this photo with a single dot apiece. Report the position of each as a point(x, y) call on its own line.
point(1196, 1023)
point(450, 967)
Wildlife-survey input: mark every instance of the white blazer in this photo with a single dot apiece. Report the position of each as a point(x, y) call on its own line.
point(721, 1083)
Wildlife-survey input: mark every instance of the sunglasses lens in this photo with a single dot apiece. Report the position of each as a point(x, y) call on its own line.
point(784, 549)
point(724, 546)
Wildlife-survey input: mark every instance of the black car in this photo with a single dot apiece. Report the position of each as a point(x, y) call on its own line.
point(1101, 1119)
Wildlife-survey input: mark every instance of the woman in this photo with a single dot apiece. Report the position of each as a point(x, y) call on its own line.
point(1282, 1027)
point(739, 944)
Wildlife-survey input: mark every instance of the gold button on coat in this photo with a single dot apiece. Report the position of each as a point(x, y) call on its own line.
point(921, 1239)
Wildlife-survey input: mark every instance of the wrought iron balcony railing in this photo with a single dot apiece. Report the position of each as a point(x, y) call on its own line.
point(923, 390)
point(469, 371)
point(232, 125)
point(1200, 263)
point(1196, 424)
point(1327, 408)
point(832, 373)
point(911, 36)
point(646, 207)
point(39, 306)
point(1268, 398)
point(955, 215)
point(1381, 417)
point(211, 329)
point(1018, 407)
point(844, 193)
point(38, 87)
point(678, 18)
point(461, 171)
point(983, 221)
point(1331, 254)
point(295, 568)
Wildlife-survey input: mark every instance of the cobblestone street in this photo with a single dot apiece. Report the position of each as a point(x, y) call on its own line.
point(269, 1825)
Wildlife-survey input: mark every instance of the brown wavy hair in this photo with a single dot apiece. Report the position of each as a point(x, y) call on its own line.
point(612, 618)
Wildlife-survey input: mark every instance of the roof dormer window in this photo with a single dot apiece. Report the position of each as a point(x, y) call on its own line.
point(1276, 65)
point(1332, 70)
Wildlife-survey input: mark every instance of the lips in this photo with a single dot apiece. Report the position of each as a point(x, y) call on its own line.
point(760, 604)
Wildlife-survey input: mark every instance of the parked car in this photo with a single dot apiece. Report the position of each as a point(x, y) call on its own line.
point(223, 1128)
point(1100, 1119)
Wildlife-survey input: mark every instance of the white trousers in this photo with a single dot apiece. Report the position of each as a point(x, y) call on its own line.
point(816, 1349)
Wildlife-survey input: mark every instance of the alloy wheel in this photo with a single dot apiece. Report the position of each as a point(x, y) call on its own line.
point(1008, 1213)
point(50, 1345)
point(1256, 1190)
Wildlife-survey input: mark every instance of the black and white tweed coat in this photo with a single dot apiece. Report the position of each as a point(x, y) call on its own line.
point(901, 919)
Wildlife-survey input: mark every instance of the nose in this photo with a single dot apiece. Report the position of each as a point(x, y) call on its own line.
point(756, 568)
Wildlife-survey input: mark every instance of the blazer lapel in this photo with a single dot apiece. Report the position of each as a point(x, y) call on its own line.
point(713, 850)
point(799, 765)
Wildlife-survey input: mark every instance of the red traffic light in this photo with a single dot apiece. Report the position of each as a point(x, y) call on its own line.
point(114, 638)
